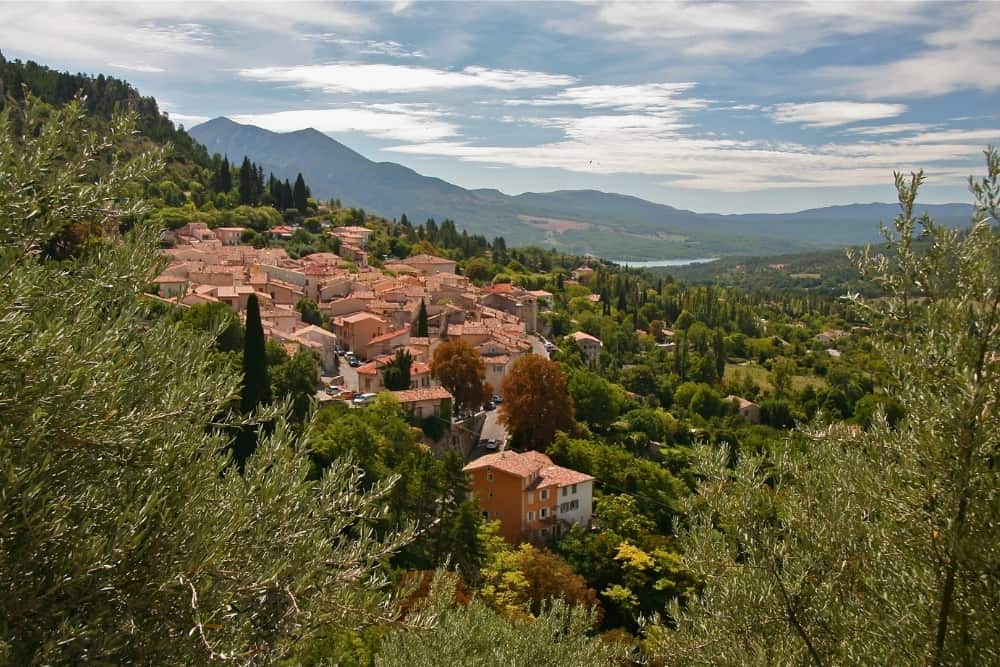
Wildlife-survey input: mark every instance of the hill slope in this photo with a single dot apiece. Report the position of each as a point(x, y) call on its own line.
point(581, 221)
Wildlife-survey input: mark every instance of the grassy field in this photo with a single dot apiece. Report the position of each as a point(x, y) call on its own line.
point(762, 378)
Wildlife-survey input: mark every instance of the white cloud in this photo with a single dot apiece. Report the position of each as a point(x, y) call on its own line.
point(137, 67)
point(649, 97)
point(396, 122)
point(831, 114)
point(745, 29)
point(372, 78)
point(893, 128)
point(656, 146)
point(91, 34)
point(370, 47)
point(187, 120)
point(962, 55)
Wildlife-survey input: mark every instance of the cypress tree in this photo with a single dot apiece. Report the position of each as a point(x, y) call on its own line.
point(299, 194)
point(256, 385)
point(422, 320)
point(248, 177)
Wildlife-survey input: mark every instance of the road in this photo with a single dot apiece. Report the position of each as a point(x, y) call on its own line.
point(538, 347)
point(493, 429)
point(350, 375)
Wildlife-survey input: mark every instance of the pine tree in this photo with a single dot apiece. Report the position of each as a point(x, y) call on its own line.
point(299, 194)
point(422, 327)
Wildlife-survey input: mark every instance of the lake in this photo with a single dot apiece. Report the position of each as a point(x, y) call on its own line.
point(663, 262)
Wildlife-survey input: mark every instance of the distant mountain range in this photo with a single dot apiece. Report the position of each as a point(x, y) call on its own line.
point(609, 225)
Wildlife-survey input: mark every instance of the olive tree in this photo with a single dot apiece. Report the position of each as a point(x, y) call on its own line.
point(125, 537)
point(875, 546)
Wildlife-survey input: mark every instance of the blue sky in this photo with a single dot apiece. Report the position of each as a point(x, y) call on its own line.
point(726, 107)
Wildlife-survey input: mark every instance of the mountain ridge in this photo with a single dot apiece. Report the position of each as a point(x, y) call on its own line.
point(582, 221)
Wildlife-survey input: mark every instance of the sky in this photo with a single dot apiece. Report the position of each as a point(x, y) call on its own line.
point(710, 106)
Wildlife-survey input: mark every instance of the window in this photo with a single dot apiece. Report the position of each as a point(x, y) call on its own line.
point(544, 513)
point(574, 488)
point(564, 508)
point(565, 490)
point(491, 494)
point(573, 504)
point(531, 516)
point(489, 475)
point(544, 494)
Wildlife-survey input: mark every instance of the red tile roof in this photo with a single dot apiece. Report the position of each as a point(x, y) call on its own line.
point(388, 336)
point(529, 464)
point(424, 394)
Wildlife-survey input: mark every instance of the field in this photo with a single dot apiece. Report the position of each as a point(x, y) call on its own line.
point(762, 378)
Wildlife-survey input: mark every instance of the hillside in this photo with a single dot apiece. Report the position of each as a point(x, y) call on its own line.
point(582, 221)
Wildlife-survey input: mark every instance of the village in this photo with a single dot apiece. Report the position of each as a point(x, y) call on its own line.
point(373, 313)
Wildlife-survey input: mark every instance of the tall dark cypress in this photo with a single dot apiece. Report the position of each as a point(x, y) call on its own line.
point(422, 320)
point(248, 176)
point(256, 386)
point(299, 194)
point(286, 195)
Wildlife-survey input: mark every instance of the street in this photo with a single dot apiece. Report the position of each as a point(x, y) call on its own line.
point(538, 347)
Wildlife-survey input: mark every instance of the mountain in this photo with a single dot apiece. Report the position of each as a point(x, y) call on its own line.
point(582, 221)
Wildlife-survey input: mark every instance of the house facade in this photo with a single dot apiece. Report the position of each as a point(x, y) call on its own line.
point(423, 403)
point(589, 345)
point(533, 499)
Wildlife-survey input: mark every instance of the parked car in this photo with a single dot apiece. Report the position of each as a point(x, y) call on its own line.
point(339, 350)
point(497, 399)
point(489, 405)
point(364, 399)
point(334, 390)
point(353, 362)
point(488, 444)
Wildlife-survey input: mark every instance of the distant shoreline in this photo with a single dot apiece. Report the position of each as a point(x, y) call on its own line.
point(649, 264)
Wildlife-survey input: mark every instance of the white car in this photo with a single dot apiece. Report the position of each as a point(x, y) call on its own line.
point(364, 399)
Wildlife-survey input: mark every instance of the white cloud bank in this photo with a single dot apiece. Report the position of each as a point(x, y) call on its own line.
point(396, 122)
point(378, 78)
point(832, 114)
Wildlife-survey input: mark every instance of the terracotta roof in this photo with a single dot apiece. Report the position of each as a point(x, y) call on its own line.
point(529, 464)
point(424, 394)
point(743, 403)
point(361, 317)
point(427, 259)
point(389, 336)
point(582, 335)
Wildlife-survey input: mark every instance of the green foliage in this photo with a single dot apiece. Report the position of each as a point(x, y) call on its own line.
point(310, 312)
point(595, 400)
point(871, 546)
point(296, 380)
point(430, 491)
point(218, 319)
point(622, 472)
point(124, 541)
point(396, 374)
point(477, 635)
point(422, 320)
